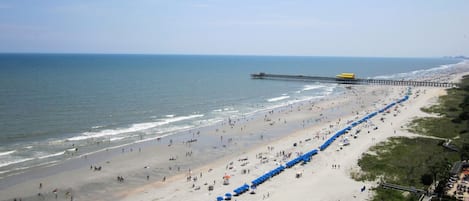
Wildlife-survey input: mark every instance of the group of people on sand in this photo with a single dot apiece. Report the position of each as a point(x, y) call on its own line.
point(120, 178)
point(41, 196)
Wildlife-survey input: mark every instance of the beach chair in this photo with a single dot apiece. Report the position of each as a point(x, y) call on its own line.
point(227, 196)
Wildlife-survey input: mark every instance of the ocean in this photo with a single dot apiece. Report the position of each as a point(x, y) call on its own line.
point(53, 104)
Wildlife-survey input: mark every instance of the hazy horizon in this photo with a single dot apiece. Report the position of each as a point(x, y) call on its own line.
point(229, 55)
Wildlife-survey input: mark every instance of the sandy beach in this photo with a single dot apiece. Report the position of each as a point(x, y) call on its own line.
point(182, 167)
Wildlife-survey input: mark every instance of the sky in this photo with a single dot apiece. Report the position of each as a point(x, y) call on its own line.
point(386, 28)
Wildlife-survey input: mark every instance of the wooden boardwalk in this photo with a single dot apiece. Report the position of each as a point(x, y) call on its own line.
point(353, 81)
point(402, 188)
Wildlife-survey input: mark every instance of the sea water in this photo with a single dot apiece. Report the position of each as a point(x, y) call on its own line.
point(53, 104)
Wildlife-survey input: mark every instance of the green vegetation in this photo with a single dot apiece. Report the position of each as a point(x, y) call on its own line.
point(442, 127)
point(404, 161)
point(393, 195)
point(419, 161)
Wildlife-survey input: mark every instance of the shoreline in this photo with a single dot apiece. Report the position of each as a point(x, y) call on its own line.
point(293, 137)
point(244, 135)
point(105, 144)
point(268, 136)
point(350, 165)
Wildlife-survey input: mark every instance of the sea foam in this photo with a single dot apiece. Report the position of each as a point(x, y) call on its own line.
point(134, 128)
point(419, 73)
point(311, 87)
point(11, 162)
point(277, 98)
point(51, 155)
point(7, 153)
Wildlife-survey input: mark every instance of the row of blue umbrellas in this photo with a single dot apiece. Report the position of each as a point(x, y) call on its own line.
point(353, 124)
point(403, 99)
point(387, 107)
point(267, 175)
point(241, 189)
point(335, 136)
point(365, 118)
point(227, 197)
point(307, 156)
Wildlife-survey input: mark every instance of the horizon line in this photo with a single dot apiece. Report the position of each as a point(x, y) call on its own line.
point(246, 55)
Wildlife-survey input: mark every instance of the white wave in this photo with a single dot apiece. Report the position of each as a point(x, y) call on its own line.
point(133, 128)
point(278, 98)
point(284, 104)
point(52, 155)
point(328, 90)
point(311, 87)
point(19, 170)
point(174, 129)
point(170, 115)
point(224, 111)
point(232, 111)
point(418, 73)
point(304, 99)
point(213, 121)
point(6, 163)
point(7, 153)
point(96, 127)
point(116, 138)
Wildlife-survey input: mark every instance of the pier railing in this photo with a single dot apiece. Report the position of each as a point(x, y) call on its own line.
point(353, 81)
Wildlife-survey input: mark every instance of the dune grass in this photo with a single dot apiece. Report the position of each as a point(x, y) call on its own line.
point(408, 161)
point(404, 161)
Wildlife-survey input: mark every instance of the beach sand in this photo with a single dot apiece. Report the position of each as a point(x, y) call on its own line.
point(244, 150)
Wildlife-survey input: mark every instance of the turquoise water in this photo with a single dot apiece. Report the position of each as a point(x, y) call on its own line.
point(50, 102)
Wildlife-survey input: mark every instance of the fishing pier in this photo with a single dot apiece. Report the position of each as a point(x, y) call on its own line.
point(349, 78)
